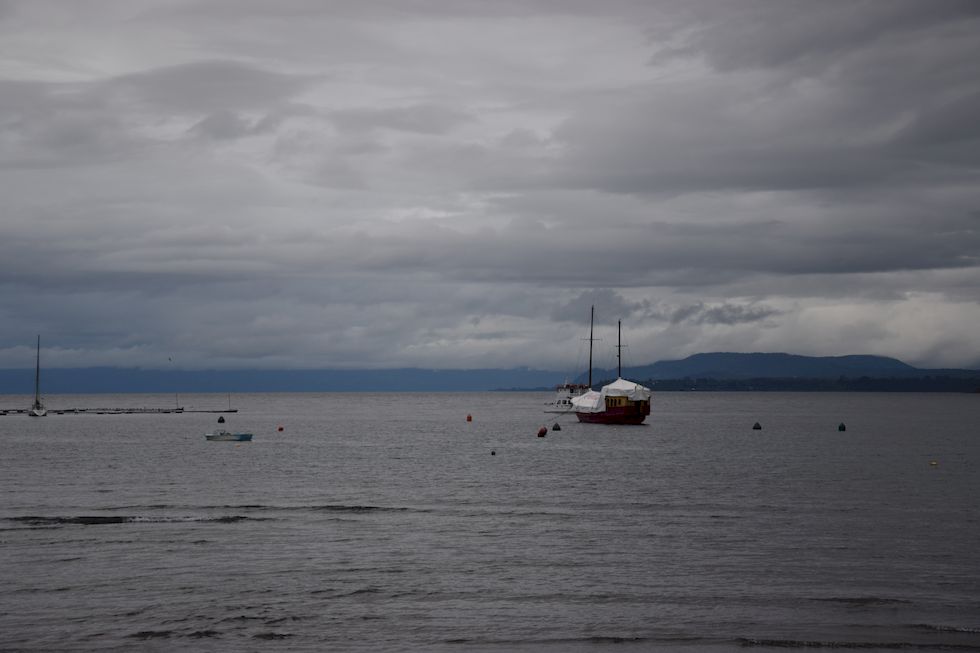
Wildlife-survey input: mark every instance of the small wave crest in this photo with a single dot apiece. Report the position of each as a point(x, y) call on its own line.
point(99, 520)
point(588, 639)
point(898, 646)
point(673, 640)
point(335, 593)
point(934, 628)
point(152, 634)
point(167, 634)
point(271, 636)
point(323, 507)
point(356, 508)
point(863, 600)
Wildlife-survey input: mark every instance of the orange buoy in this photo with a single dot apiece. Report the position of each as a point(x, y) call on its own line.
point(543, 431)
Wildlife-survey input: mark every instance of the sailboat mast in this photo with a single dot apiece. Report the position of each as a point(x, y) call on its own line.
point(37, 373)
point(619, 349)
point(591, 322)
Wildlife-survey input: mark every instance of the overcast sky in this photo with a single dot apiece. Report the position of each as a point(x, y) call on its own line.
point(452, 183)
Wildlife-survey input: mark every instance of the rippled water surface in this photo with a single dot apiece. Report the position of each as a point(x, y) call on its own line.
point(389, 522)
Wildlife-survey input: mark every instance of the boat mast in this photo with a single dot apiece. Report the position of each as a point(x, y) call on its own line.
point(591, 322)
point(37, 375)
point(619, 349)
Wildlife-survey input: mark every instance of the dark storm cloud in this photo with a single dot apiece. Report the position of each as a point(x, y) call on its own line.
point(647, 253)
point(209, 86)
point(609, 306)
point(792, 147)
point(44, 124)
point(424, 119)
point(946, 129)
point(815, 96)
point(228, 125)
point(766, 34)
point(700, 313)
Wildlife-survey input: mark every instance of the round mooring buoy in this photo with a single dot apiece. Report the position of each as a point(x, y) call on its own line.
point(543, 431)
point(757, 427)
point(279, 428)
point(841, 427)
point(556, 427)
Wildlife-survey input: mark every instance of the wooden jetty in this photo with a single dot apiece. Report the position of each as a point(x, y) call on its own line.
point(116, 411)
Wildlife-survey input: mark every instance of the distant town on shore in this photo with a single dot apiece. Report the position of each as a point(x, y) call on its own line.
point(700, 372)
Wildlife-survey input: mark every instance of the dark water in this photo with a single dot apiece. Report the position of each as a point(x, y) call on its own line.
point(383, 522)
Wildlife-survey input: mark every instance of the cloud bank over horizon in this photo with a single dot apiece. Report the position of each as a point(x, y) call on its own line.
point(218, 184)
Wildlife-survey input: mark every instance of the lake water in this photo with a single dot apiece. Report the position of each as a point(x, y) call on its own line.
point(383, 522)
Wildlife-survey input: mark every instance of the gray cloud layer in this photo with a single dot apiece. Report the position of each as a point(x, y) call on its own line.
point(453, 184)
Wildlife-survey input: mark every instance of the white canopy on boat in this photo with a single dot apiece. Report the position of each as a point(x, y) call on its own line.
point(595, 402)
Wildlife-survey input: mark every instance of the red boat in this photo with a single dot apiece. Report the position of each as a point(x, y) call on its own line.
point(620, 402)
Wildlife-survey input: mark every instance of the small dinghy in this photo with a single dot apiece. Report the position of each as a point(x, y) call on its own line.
point(228, 436)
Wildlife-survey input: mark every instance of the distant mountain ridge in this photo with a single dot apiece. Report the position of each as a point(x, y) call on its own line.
point(726, 365)
point(720, 366)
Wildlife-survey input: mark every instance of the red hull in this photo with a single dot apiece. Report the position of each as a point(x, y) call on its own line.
point(633, 414)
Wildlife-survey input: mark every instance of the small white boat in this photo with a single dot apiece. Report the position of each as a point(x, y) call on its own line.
point(565, 393)
point(228, 436)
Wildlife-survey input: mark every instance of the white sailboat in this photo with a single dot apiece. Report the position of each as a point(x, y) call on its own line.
point(37, 408)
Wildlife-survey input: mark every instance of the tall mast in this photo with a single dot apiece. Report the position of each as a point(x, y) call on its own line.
point(37, 373)
point(619, 349)
point(591, 321)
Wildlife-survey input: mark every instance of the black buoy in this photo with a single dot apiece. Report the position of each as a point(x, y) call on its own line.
point(556, 427)
point(841, 427)
point(493, 453)
point(757, 427)
point(221, 419)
